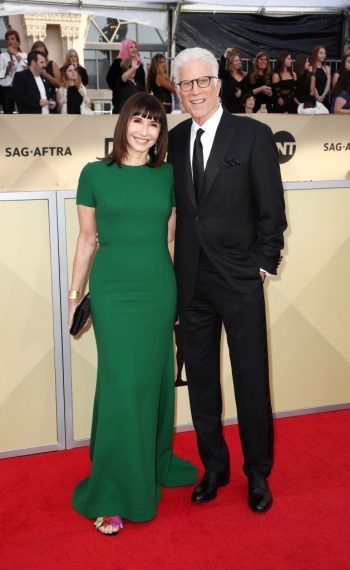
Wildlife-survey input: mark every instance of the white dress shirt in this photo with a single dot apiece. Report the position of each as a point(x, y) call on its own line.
point(43, 95)
point(207, 138)
point(20, 63)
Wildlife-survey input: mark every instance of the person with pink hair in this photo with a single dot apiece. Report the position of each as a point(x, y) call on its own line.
point(117, 78)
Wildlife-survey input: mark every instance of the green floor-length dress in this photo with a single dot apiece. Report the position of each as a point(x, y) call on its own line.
point(133, 299)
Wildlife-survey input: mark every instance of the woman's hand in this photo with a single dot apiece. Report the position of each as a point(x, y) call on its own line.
point(72, 305)
point(266, 89)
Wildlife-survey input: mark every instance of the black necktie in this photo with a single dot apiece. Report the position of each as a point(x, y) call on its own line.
point(198, 164)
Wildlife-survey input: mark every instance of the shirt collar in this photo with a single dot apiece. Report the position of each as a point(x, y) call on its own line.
point(211, 125)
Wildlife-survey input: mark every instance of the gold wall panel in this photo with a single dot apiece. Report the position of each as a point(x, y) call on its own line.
point(47, 152)
point(27, 381)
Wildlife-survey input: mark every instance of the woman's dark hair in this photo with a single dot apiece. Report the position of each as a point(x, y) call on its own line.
point(299, 66)
point(343, 83)
point(247, 95)
point(280, 60)
point(342, 63)
point(310, 102)
point(146, 106)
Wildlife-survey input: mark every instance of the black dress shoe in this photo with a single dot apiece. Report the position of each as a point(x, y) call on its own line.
point(259, 494)
point(207, 488)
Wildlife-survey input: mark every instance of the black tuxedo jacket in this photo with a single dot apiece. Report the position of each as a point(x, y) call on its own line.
point(26, 92)
point(240, 219)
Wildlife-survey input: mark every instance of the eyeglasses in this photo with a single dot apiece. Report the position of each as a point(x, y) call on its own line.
point(202, 82)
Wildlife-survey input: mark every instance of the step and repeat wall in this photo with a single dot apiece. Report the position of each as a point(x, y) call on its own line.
point(47, 378)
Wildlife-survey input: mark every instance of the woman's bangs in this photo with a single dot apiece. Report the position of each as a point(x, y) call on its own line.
point(151, 112)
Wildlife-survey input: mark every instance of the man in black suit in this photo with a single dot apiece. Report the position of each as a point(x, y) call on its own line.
point(229, 234)
point(29, 88)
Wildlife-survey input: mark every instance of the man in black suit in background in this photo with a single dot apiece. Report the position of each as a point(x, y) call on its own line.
point(229, 234)
point(29, 88)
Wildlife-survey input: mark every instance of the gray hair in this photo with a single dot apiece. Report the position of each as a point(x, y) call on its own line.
point(199, 54)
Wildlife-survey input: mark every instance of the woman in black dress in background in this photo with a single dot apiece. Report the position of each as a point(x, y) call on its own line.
point(284, 85)
point(344, 66)
point(305, 78)
point(72, 98)
point(322, 73)
point(117, 78)
point(158, 82)
point(260, 81)
point(234, 81)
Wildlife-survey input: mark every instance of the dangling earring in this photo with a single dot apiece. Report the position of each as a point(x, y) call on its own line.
point(155, 148)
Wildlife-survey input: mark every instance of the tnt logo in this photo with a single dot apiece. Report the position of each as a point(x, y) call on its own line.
point(286, 146)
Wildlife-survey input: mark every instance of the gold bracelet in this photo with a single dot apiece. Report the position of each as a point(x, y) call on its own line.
point(73, 294)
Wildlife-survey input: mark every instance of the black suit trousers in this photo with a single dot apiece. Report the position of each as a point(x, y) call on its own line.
point(214, 304)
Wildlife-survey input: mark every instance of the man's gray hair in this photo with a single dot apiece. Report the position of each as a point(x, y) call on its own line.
point(199, 54)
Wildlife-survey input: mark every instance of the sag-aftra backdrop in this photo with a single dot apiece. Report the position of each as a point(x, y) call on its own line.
point(47, 152)
point(47, 379)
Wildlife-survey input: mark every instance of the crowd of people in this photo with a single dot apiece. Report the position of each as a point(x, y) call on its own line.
point(305, 87)
point(36, 84)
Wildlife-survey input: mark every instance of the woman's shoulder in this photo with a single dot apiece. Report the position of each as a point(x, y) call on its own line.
point(95, 166)
point(165, 168)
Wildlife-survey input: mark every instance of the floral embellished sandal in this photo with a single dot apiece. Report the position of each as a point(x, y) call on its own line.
point(102, 523)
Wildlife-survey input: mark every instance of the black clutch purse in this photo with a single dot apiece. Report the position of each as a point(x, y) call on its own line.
point(81, 315)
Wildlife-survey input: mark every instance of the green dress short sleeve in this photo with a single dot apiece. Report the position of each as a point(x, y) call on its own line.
point(85, 192)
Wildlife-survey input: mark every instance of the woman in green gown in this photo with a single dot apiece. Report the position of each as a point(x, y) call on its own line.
point(128, 199)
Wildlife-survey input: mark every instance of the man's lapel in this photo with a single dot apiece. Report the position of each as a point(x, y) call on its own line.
point(186, 161)
point(222, 140)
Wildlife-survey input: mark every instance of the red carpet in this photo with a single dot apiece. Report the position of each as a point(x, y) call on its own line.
point(307, 528)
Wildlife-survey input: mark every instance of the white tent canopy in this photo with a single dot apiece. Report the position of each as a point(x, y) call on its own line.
point(155, 12)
